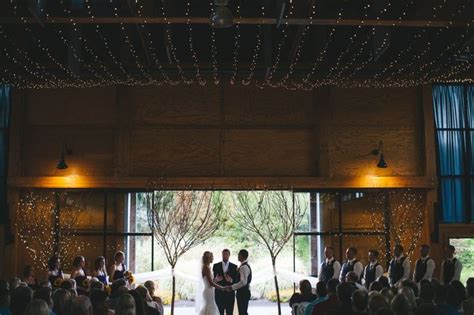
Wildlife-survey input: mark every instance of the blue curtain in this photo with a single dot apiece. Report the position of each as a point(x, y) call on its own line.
point(4, 125)
point(449, 110)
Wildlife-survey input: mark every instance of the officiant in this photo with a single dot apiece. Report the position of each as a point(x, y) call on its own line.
point(225, 274)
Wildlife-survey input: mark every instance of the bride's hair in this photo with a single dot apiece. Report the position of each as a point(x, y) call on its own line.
point(206, 258)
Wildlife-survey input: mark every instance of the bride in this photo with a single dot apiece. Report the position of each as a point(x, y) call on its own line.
point(208, 306)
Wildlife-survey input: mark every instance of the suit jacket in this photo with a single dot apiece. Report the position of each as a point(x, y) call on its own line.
point(218, 270)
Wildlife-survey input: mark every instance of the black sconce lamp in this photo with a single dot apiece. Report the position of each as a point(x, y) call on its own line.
point(382, 163)
point(62, 165)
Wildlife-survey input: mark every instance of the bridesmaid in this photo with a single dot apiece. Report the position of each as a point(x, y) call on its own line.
point(118, 269)
point(78, 267)
point(54, 270)
point(29, 278)
point(99, 270)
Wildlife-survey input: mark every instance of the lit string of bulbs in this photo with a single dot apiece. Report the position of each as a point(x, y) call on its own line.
point(214, 62)
point(235, 55)
point(193, 52)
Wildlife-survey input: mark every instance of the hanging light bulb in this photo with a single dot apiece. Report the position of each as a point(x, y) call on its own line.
point(222, 16)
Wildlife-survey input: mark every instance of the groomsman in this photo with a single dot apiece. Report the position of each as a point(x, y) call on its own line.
point(399, 268)
point(373, 270)
point(351, 264)
point(425, 266)
point(330, 268)
point(451, 267)
point(225, 274)
point(244, 278)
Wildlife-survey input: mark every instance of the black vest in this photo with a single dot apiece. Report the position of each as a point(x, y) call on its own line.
point(448, 270)
point(420, 269)
point(369, 274)
point(346, 268)
point(327, 271)
point(249, 278)
point(396, 269)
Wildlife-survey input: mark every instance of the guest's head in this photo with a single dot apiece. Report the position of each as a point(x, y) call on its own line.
point(139, 302)
point(408, 292)
point(373, 255)
point(450, 250)
point(150, 285)
point(60, 297)
point(28, 271)
point(20, 298)
point(344, 292)
point(54, 262)
point(321, 289)
point(424, 250)
point(305, 288)
point(351, 276)
point(401, 305)
point(398, 250)
point(44, 293)
point(360, 301)
point(98, 300)
point(452, 297)
point(427, 293)
point(332, 286)
point(79, 262)
point(470, 288)
point(243, 255)
point(225, 255)
point(4, 296)
point(125, 305)
point(351, 253)
point(460, 289)
point(388, 294)
point(120, 283)
point(329, 252)
point(119, 257)
point(376, 302)
point(99, 263)
point(37, 307)
point(81, 305)
point(144, 293)
point(14, 283)
point(207, 258)
point(384, 281)
point(96, 284)
point(375, 286)
point(410, 284)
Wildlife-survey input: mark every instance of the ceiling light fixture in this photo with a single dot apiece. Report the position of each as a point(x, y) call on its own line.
point(381, 163)
point(222, 16)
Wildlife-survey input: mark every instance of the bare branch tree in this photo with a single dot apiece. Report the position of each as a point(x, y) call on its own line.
point(181, 220)
point(272, 216)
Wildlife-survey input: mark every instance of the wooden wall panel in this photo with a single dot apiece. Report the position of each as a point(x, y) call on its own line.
point(156, 152)
point(269, 153)
point(93, 106)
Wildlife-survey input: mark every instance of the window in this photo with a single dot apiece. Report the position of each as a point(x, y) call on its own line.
point(465, 253)
point(454, 121)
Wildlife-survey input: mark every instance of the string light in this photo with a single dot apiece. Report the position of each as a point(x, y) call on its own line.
point(235, 63)
point(194, 56)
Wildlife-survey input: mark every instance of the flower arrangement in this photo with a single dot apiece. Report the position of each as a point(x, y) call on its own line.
point(108, 289)
point(129, 277)
point(57, 282)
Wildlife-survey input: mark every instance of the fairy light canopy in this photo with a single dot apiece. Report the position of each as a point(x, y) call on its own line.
point(285, 44)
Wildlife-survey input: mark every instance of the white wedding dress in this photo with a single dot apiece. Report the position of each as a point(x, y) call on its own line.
point(208, 303)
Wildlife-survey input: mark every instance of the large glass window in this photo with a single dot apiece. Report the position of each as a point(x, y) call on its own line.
point(454, 120)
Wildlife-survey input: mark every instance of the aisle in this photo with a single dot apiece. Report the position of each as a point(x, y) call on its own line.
point(255, 308)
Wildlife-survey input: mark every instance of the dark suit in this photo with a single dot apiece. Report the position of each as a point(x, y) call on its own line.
point(225, 300)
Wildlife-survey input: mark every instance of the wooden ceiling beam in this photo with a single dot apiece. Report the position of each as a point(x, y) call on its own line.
point(246, 21)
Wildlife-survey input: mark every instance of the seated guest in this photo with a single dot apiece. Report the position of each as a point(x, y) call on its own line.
point(125, 305)
point(100, 271)
point(321, 293)
point(96, 284)
point(14, 283)
point(344, 294)
point(4, 298)
point(19, 300)
point(54, 271)
point(399, 268)
point(44, 293)
point(384, 281)
point(377, 302)
point(151, 307)
point(388, 294)
point(401, 306)
point(150, 285)
point(140, 304)
point(373, 270)
point(37, 307)
point(468, 304)
point(451, 267)
point(81, 305)
point(410, 295)
point(331, 303)
point(351, 264)
point(410, 284)
point(78, 267)
point(375, 286)
point(29, 278)
point(117, 270)
point(118, 288)
point(453, 301)
point(330, 268)
point(352, 277)
point(98, 300)
point(426, 295)
point(305, 294)
point(425, 266)
point(60, 298)
point(428, 309)
point(360, 302)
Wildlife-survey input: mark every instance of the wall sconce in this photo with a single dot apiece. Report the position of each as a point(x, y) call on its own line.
point(222, 16)
point(382, 163)
point(62, 165)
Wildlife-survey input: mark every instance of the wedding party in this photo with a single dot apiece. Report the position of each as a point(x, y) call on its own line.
point(310, 157)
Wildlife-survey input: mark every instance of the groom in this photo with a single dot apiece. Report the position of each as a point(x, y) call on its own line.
point(225, 274)
point(243, 285)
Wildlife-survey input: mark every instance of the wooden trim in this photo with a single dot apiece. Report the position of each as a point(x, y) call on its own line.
point(223, 182)
point(243, 20)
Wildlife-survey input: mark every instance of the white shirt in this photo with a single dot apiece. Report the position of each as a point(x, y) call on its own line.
point(457, 270)
point(244, 272)
point(225, 266)
point(358, 269)
point(336, 266)
point(406, 269)
point(378, 271)
point(430, 267)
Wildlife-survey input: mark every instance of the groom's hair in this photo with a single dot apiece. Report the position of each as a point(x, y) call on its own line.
point(225, 250)
point(244, 253)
